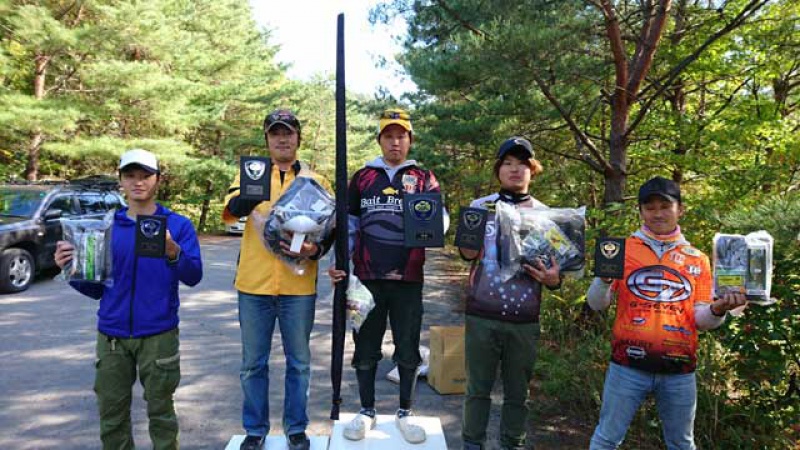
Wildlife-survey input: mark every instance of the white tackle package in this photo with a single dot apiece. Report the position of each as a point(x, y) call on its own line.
point(91, 258)
point(743, 263)
point(359, 302)
point(304, 213)
point(531, 234)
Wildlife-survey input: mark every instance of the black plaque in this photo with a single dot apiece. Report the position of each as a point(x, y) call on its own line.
point(255, 173)
point(609, 258)
point(471, 228)
point(151, 236)
point(423, 220)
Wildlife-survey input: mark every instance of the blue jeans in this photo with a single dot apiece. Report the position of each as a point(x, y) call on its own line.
point(623, 393)
point(295, 316)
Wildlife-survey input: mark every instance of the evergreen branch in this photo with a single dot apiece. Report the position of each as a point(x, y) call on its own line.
point(461, 20)
point(750, 9)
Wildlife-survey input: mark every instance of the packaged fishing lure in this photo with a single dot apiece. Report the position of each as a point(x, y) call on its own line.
point(743, 263)
point(541, 234)
point(91, 258)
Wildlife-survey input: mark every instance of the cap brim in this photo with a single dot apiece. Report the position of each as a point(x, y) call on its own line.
point(502, 154)
point(135, 165)
point(666, 197)
point(403, 123)
point(280, 122)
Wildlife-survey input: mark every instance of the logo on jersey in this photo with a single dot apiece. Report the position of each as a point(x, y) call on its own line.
point(390, 191)
point(409, 183)
point(694, 270)
point(635, 352)
point(677, 257)
point(674, 329)
point(150, 228)
point(255, 169)
point(691, 251)
point(639, 321)
point(659, 284)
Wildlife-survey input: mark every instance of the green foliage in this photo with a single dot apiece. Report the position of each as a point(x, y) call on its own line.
point(767, 357)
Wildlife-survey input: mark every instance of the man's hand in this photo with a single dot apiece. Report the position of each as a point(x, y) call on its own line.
point(548, 277)
point(172, 247)
point(64, 252)
point(307, 250)
point(729, 301)
point(336, 275)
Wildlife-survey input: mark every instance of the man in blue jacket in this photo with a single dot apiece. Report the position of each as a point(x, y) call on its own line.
point(137, 321)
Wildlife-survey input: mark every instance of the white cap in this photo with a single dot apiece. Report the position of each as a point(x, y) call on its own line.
point(141, 157)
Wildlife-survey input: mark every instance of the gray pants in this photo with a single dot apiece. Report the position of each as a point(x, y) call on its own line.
point(489, 343)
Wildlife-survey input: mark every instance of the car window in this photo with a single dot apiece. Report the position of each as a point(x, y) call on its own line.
point(91, 203)
point(66, 204)
point(112, 201)
point(19, 203)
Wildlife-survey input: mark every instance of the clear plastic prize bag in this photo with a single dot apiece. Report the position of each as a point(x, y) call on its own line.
point(91, 259)
point(359, 301)
point(743, 263)
point(539, 234)
point(304, 213)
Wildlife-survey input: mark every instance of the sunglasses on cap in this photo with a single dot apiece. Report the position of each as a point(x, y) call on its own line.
point(396, 115)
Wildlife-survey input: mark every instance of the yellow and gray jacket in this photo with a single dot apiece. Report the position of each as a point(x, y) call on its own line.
point(259, 271)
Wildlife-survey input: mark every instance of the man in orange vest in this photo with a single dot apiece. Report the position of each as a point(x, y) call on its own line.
point(664, 298)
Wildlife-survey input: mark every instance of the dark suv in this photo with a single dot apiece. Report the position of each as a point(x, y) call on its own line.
point(30, 223)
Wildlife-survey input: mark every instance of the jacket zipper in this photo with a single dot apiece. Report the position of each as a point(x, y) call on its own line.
point(133, 289)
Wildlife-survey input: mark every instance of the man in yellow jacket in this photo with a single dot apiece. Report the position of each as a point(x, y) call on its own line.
point(270, 290)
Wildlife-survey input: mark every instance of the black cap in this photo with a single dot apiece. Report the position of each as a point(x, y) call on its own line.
point(282, 117)
point(514, 143)
point(662, 187)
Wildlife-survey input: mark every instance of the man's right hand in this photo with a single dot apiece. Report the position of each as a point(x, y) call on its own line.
point(336, 275)
point(240, 207)
point(64, 252)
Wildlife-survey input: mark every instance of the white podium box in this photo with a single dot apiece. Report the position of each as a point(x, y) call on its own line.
point(386, 436)
point(278, 442)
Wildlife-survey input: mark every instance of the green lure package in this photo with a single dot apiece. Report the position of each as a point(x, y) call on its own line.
point(91, 258)
point(743, 263)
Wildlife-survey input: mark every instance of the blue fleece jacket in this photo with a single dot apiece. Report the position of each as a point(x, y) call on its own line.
point(143, 298)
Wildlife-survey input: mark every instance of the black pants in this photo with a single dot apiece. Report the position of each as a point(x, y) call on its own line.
point(401, 301)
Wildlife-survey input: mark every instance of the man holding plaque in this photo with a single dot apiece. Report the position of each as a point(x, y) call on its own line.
point(389, 268)
point(269, 290)
point(664, 298)
point(502, 318)
point(137, 320)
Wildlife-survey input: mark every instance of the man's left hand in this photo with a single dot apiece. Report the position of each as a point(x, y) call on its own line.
point(307, 250)
point(729, 301)
point(172, 247)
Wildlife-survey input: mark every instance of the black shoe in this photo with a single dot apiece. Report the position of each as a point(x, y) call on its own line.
point(252, 443)
point(299, 441)
point(472, 446)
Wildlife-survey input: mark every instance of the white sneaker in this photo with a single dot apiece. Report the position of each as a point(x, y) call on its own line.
point(413, 434)
point(357, 428)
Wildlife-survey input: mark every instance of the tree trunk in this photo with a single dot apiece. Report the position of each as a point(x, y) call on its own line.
point(37, 137)
point(206, 206)
point(201, 225)
point(618, 152)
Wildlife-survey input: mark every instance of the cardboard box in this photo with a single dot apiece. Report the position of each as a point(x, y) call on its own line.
point(446, 372)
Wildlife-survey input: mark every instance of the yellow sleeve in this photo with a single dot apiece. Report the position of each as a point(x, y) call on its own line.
point(233, 191)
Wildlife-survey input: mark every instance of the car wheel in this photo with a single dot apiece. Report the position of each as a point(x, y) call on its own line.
point(16, 270)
